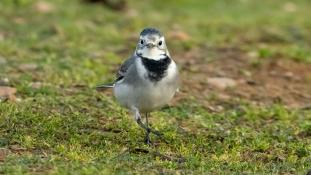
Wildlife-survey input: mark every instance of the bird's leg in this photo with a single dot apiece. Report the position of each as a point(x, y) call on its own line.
point(144, 126)
point(148, 129)
point(147, 138)
point(152, 130)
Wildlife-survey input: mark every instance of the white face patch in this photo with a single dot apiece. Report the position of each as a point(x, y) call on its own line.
point(152, 47)
point(153, 53)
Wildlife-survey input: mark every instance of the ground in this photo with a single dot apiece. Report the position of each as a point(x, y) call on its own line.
point(244, 106)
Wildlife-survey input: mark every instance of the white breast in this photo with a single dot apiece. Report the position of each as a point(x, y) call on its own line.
point(160, 93)
point(171, 71)
point(150, 95)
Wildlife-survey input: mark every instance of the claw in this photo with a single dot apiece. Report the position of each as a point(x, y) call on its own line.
point(147, 139)
point(146, 127)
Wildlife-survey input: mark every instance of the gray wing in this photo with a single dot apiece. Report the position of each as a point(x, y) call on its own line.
point(125, 67)
point(123, 70)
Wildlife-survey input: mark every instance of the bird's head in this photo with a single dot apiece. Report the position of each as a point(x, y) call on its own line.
point(151, 44)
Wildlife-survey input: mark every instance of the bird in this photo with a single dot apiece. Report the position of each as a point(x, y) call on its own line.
point(147, 80)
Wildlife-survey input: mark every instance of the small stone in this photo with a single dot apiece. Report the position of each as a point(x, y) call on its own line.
point(4, 152)
point(219, 108)
point(289, 75)
point(132, 13)
point(179, 35)
point(7, 92)
point(253, 54)
point(44, 7)
point(246, 73)
point(2, 60)
point(113, 4)
point(251, 82)
point(289, 7)
point(17, 148)
point(19, 20)
point(221, 83)
point(223, 96)
point(36, 85)
point(4, 82)
point(1, 36)
point(273, 73)
point(27, 67)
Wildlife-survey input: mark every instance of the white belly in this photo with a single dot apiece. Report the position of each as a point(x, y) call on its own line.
point(146, 98)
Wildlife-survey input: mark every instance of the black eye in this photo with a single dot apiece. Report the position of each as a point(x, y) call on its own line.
point(160, 43)
point(141, 41)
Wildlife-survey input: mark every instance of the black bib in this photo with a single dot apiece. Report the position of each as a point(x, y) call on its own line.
point(157, 69)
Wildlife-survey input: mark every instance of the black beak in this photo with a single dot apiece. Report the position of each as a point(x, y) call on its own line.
point(150, 45)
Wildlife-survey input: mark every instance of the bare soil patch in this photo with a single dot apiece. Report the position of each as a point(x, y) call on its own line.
point(259, 81)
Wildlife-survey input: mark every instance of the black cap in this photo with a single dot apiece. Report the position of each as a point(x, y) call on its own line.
point(150, 30)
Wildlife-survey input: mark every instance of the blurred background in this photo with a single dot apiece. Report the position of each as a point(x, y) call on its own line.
point(244, 43)
point(244, 103)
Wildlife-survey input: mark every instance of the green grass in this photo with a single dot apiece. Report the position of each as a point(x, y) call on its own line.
point(66, 127)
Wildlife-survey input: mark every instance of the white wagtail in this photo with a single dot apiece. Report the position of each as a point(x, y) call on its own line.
point(148, 80)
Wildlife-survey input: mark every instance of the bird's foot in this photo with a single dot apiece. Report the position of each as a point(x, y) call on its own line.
point(148, 131)
point(157, 133)
point(147, 139)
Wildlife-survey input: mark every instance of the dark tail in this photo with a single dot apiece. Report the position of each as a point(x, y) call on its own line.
point(104, 86)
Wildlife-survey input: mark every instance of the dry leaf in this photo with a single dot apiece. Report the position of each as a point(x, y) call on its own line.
point(1, 36)
point(289, 7)
point(2, 60)
point(7, 92)
point(179, 35)
point(44, 7)
point(221, 83)
point(19, 20)
point(28, 67)
point(113, 4)
point(36, 85)
point(17, 148)
point(4, 152)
